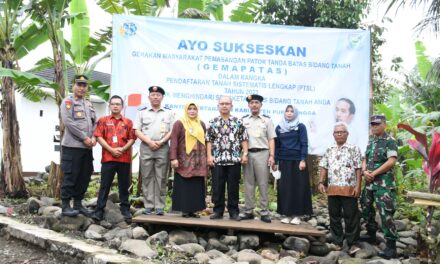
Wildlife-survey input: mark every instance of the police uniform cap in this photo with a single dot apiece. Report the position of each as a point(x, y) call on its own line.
point(377, 119)
point(254, 97)
point(81, 79)
point(156, 89)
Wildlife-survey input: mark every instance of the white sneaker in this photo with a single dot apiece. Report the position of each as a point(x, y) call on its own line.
point(285, 220)
point(295, 221)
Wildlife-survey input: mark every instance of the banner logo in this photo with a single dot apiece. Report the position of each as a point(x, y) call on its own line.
point(128, 29)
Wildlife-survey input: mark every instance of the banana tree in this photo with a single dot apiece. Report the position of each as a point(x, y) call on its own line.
point(80, 50)
point(420, 84)
point(85, 52)
point(138, 7)
point(15, 42)
point(202, 9)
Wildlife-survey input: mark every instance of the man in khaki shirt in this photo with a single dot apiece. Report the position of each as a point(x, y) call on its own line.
point(261, 150)
point(153, 127)
point(79, 119)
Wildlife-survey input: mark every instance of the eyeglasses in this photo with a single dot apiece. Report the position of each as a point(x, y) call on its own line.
point(115, 104)
point(339, 133)
point(81, 85)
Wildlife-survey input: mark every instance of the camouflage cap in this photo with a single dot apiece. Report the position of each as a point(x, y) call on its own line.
point(377, 119)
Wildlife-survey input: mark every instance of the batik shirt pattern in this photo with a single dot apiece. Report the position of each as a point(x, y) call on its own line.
point(341, 163)
point(226, 137)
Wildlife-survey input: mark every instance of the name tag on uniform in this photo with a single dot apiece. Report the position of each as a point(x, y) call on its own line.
point(115, 139)
point(163, 128)
point(258, 133)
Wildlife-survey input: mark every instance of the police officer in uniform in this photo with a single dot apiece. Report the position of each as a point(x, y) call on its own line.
point(261, 150)
point(380, 188)
point(153, 127)
point(79, 119)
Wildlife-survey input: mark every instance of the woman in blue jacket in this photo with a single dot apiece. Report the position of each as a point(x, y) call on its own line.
point(294, 194)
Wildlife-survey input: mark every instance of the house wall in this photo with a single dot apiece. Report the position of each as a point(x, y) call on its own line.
point(38, 123)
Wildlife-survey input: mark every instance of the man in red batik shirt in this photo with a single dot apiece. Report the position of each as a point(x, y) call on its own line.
point(116, 136)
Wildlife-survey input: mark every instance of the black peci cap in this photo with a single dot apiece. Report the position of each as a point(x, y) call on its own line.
point(156, 89)
point(254, 97)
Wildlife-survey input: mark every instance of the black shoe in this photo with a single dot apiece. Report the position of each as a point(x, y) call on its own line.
point(247, 216)
point(235, 217)
point(148, 211)
point(370, 237)
point(126, 214)
point(77, 205)
point(98, 215)
point(265, 218)
point(216, 216)
point(69, 212)
point(193, 215)
point(185, 215)
point(390, 251)
point(66, 210)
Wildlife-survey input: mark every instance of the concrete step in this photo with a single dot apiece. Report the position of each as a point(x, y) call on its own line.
point(53, 241)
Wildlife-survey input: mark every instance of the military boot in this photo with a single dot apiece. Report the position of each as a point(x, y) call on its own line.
point(77, 205)
point(390, 251)
point(370, 237)
point(66, 210)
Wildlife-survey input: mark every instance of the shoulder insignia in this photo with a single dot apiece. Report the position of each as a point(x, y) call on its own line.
point(167, 108)
point(266, 116)
point(68, 103)
point(143, 108)
point(89, 103)
point(245, 116)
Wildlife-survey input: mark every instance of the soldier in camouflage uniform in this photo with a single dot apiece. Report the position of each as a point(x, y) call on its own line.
point(380, 187)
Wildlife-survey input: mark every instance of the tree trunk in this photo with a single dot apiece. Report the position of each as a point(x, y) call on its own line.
point(313, 168)
point(54, 182)
point(56, 174)
point(12, 178)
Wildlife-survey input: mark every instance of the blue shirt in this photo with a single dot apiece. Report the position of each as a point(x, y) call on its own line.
point(291, 145)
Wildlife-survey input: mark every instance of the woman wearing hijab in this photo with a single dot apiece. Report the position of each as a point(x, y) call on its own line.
point(294, 195)
point(188, 159)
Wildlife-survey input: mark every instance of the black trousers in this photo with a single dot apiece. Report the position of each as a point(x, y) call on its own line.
point(344, 207)
point(77, 166)
point(108, 171)
point(222, 175)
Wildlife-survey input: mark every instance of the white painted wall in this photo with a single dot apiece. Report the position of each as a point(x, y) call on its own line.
point(37, 132)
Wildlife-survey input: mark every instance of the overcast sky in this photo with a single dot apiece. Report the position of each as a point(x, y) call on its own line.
point(400, 36)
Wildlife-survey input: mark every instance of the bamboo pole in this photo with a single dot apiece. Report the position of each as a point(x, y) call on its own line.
point(424, 196)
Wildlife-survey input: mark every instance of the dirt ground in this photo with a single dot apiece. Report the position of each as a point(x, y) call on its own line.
point(13, 251)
